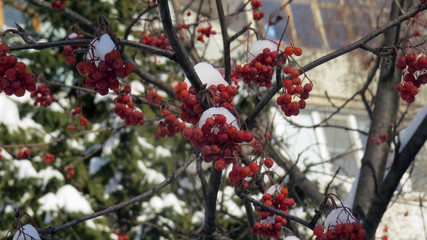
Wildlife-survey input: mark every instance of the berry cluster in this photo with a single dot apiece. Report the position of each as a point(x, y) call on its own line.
point(293, 86)
point(83, 121)
point(383, 137)
point(69, 169)
point(207, 31)
point(170, 125)
point(153, 97)
point(350, 231)
point(68, 50)
point(271, 224)
point(1, 157)
point(13, 76)
point(59, 4)
point(76, 111)
point(70, 128)
point(103, 76)
point(125, 108)
point(192, 108)
point(240, 172)
point(218, 138)
point(259, 70)
point(23, 154)
point(49, 158)
point(42, 96)
point(414, 78)
point(256, 5)
point(161, 42)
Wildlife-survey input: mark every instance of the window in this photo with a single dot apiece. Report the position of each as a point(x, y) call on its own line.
point(325, 23)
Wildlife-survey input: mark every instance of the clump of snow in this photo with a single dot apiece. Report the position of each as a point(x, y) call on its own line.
point(162, 152)
point(274, 188)
point(231, 119)
point(10, 113)
point(208, 75)
point(407, 133)
point(24, 169)
point(111, 144)
point(113, 185)
point(166, 201)
point(144, 143)
point(97, 163)
point(198, 218)
point(26, 232)
point(67, 198)
point(100, 47)
point(49, 173)
point(151, 175)
point(338, 216)
point(259, 46)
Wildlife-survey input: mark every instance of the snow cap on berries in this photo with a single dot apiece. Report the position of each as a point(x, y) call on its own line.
point(26, 232)
point(338, 216)
point(274, 189)
point(208, 75)
point(259, 46)
point(100, 47)
point(230, 118)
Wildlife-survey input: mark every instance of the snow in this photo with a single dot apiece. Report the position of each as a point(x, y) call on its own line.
point(24, 169)
point(231, 119)
point(113, 185)
point(169, 200)
point(259, 46)
point(11, 118)
point(97, 163)
point(26, 232)
point(67, 198)
point(100, 47)
point(163, 152)
point(111, 144)
point(151, 175)
point(198, 218)
point(207, 74)
point(274, 188)
point(47, 174)
point(407, 133)
point(144, 144)
point(338, 216)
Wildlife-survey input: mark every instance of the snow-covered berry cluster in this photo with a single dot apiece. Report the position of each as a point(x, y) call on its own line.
point(271, 224)
point(220, 93)
point(13, 76)
point(104, 66)
point(42, 96)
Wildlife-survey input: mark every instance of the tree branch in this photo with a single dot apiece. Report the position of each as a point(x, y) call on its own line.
point(225, 42)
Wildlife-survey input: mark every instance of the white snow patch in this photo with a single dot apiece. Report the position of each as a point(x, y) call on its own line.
point(97, 163)
point(49, 173)
point(143, 142)
point(26, 232)
point(111, 144)
point(198, 218)
point(231, 119)
point(292, 238)
point(338, 216)
point(25, 169)
point(407, 133)
point(11, 119)
point(162, 152)
point(166, 201)
point(259, 46)
point(208, 75)
point(100, 47)
point(151, 175)
point(54, 106)
point(66, 198)
point(137, 87)
point(113, 185)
